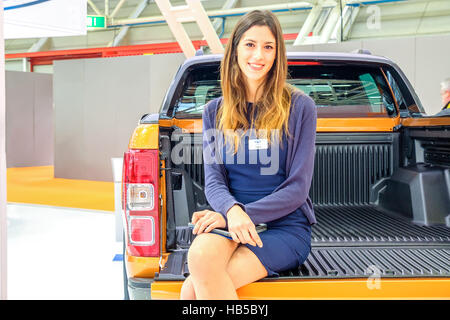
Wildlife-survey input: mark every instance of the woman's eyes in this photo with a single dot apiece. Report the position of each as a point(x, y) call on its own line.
point(249, 44)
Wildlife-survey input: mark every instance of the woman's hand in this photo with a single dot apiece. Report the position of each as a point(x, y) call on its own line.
point(242, 228)
point(206, 220)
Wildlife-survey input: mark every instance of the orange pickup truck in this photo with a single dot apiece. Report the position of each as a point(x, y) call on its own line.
point(381, 186)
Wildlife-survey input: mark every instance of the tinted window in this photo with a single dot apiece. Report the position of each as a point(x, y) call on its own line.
point(345, 90)
point(201, 86)
point(401, 92)
point(338, 90)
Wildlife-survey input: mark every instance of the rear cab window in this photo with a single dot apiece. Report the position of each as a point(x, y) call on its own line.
point(339, 89)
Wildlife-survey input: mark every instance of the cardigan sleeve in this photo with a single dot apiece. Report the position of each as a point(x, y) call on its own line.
point(216, 183)
point(293, 192)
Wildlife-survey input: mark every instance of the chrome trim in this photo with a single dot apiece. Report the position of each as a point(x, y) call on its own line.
point(151, 207)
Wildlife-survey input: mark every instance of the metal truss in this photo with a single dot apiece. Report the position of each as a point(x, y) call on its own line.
point(193, 11)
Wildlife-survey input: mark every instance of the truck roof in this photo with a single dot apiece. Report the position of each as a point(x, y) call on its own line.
point(342, 56)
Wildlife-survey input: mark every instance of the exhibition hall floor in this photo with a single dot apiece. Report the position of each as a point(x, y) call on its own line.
point(38, 185)
point(62, 253)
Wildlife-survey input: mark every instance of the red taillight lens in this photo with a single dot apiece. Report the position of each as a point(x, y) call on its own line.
point(142, 230)
point(140, 190)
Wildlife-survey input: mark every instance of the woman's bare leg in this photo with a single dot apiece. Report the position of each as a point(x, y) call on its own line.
point(187, 290)
point(241, 261)
point(208, 258)
point(244, 267)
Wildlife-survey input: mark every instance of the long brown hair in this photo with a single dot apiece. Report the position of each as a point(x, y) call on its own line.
point(273, 106)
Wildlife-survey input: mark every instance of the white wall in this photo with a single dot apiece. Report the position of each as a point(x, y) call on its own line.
point(29, 119)
point(98, 104)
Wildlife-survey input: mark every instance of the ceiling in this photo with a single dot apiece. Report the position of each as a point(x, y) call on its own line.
point(363, 19)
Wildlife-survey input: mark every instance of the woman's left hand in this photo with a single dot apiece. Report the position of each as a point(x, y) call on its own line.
point(206, 220)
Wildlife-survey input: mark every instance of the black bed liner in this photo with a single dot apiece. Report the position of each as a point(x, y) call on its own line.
point(360, 226)
point(350, 262)
point(357, 262)
point(352, 242)
point(368, 225)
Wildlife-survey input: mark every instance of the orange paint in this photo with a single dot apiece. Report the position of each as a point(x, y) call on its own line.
point(356, 124)
point(426, 122)
point(323, 124)
point(163, 211)
point(144, 267)
point(37, 185)
point(141, 267)
point(145, 136)
point(411, 288)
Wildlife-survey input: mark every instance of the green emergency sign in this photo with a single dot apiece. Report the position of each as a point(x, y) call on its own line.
point(96, 22)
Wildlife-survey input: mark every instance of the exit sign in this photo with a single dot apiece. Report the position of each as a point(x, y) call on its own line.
point(96, 22)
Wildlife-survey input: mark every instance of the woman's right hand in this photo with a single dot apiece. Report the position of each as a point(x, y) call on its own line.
point(242, 228)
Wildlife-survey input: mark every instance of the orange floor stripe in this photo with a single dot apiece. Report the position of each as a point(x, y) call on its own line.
point(37, 185)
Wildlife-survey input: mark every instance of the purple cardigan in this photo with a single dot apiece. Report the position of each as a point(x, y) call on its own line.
point(292, 193)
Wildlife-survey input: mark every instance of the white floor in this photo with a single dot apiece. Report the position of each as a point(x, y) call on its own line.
point(62, 253)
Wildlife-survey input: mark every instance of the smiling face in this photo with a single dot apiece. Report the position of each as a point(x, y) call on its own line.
point(256, 54)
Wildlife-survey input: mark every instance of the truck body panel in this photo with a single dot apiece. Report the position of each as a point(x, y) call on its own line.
point(336, 289)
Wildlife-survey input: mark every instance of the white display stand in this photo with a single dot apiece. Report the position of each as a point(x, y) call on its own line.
point(29, 19)
point(117, 164)
point(3, 236)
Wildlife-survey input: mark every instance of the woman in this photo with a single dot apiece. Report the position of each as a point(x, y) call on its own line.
point(255, 96)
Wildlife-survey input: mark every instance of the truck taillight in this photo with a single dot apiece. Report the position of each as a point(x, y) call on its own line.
point(141, 230)
point(140, 185)
point(140, 196)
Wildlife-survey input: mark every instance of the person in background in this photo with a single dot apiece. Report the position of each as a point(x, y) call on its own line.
point(445, 93)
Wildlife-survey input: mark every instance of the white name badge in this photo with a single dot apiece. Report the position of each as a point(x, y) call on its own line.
point(257, 144)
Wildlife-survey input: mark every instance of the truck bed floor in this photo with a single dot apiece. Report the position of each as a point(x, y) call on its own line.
point(359, 225)
point(351, 242)
point(367, 225)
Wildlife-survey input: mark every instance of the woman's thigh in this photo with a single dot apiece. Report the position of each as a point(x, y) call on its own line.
point(210, 250)
point(244, 267)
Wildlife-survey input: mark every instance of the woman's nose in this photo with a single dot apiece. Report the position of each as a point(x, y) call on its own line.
point(257, 53)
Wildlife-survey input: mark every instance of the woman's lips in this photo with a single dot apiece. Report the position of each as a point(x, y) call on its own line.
point(256, 67)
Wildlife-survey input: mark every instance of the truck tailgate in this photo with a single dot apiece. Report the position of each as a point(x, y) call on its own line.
point(337, 273)
point(355, 249)
point(408, 288)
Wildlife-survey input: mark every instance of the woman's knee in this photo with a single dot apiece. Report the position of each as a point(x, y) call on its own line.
point(202, 260)
point(208, 254)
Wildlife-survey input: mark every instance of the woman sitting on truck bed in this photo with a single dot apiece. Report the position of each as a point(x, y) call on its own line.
point(241, 187)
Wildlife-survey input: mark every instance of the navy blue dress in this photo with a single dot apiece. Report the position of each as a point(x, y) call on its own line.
point(287, 241)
